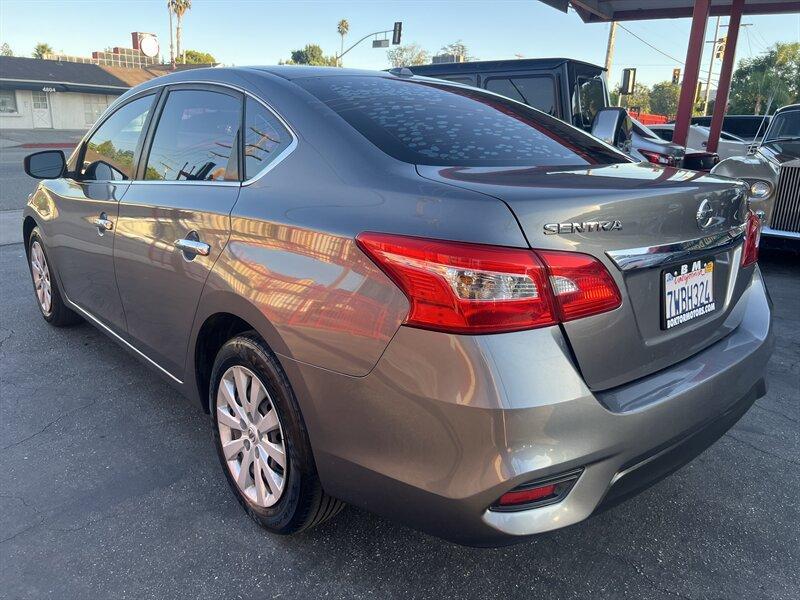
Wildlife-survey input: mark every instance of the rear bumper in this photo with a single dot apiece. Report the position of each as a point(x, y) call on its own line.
point(444, 424)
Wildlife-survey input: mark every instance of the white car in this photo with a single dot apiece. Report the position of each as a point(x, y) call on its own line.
point(729, 144)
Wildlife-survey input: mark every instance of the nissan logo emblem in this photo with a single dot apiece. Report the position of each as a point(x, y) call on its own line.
point(705, 214)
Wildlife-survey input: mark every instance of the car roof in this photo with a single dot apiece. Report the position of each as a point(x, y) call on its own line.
point(301, 71)
point(787, 108)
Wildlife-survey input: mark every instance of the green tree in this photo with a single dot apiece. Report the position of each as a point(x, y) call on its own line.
point(195, 57)
point(343, 28)
point(311, 55)
point(457, 48)
point(664, 98)
point(773, 76)
point(5, 50)
point(179, 7)
point(408, 55)
point(41, 49)
point(640, 98)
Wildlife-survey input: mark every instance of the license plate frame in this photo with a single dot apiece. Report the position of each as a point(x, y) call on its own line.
point(699, 300)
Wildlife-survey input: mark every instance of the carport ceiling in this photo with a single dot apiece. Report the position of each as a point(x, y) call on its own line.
point(593, 11)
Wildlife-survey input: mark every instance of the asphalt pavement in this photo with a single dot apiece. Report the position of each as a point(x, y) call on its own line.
point(109, 488)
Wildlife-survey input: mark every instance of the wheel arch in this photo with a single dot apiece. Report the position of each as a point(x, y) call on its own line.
point(221, 316)
point(28, 225)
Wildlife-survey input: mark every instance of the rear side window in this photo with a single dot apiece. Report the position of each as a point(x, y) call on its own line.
point(195, 139)
point(114, 143)
point(438, 124)
point(538, 92)
point(265, 138)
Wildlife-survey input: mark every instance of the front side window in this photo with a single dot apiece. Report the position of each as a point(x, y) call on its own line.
point(264, 139)
point(8, 102)
point(587, 99)
point(111, 149)
point(195, 139)
point(427, 123)
point(784, 126)
point(538, 92)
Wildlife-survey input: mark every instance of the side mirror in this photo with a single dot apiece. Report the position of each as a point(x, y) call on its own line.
point(613, 125)
point(49, 164)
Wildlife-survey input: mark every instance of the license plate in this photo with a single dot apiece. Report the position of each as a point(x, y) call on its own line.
point(688, 292)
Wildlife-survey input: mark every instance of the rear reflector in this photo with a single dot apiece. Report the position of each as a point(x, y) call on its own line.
point(537, 493)
point(752, 237)
point(526, 496)
point(474, 288)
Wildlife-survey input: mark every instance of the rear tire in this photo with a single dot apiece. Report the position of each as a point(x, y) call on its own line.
point(255, 419)
point(48, 295)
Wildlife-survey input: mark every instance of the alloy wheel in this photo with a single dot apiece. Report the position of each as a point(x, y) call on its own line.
point(252, 436)
point(41, 277)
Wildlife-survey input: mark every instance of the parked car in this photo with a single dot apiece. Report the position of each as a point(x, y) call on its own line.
point(571, 90)
point(729, 145)
point(410, 295)
point(750, 128)
point(773, 174)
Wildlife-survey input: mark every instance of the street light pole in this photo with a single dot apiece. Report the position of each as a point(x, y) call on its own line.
point(711, 66)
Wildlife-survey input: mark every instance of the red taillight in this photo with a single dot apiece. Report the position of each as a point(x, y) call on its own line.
point(474, 288)
point(580, 283)
point(752, 237)
point(464, 288)
point(658, 158)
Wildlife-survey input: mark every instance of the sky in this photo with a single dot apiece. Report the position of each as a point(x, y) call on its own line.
point(250, 32)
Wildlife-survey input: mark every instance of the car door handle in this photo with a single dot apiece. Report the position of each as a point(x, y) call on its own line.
point(193, 247)
point(104, 224)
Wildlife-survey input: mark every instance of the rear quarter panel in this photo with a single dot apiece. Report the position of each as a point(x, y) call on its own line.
point(292, 262)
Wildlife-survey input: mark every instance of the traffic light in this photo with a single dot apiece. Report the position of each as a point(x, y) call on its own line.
point(676, 76)
point(397, 32)
point(721, 47)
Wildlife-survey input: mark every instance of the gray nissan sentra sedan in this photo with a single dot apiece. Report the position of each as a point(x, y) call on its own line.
point(409, 295)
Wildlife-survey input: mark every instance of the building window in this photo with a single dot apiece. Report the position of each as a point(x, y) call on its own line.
point(8, 102)
point(93, 107)
point(39, 100)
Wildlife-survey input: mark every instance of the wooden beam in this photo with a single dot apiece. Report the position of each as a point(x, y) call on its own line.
point(591, 6)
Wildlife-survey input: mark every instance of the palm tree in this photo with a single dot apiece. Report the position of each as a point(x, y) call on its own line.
point(179, 7)
point(343, 28)
point(41, 49)
point(171, 45)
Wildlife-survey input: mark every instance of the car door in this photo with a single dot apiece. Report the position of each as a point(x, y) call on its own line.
point(87, 202)
point(174, 219)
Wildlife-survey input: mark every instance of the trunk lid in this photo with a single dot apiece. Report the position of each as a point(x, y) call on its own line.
point(639, 220)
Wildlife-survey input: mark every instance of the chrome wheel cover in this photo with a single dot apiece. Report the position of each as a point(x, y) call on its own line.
point(252, 436)
point(41, 277)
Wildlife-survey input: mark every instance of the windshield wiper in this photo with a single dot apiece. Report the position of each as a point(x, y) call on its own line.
point(788, 138)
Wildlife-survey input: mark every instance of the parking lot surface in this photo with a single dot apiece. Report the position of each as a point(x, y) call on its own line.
point(110, 488)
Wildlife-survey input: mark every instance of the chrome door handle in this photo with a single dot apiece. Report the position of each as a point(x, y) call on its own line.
point(193, 247)
point(104, 224)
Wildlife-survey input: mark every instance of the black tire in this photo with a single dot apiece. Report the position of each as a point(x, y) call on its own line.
point(58, 314)
point(303, 503)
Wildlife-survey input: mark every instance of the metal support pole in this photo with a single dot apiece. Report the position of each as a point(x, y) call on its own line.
point(726, 71)
point(691, 74)
point(711, 66)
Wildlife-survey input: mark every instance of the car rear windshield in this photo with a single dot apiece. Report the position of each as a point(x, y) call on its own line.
point(429, 123)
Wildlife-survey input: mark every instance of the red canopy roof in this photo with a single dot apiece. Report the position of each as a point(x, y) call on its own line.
point(593, 11)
